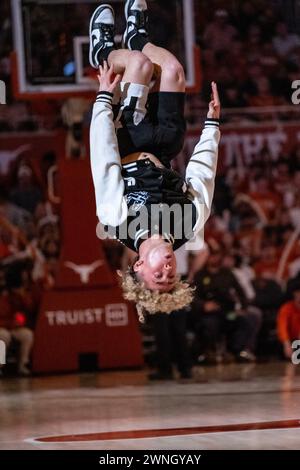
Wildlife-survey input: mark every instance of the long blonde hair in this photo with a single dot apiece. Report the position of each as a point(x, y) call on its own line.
point(149, 301)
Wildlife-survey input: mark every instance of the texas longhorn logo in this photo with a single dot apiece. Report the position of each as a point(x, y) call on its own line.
point(84, 270)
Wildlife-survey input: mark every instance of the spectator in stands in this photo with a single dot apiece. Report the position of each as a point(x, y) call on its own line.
point(267, 18)
point(244, 274)
point(13, 324)
point(283, 226)
point(19, 286)
point(268, 294)
point(26, 193)
point(219, 34)
point(14, 214)
point(50, 247)
point(281, 176)
point(245, 17)
point(286, 73)
point(288, 323)
point(254, 42)
point(238, 61)
point(291, 285)
point(267, 265)
point(209, 63)
point(233, 98)
point(249, 85)
point(268, 298)
point(248, 233)
point(265, 199)
point(14, 243)
point(264, 96)
point(221, 310)
point(285, 42)
point(270, 62)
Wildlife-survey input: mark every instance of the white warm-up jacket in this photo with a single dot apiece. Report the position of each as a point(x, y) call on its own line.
point(106, 168)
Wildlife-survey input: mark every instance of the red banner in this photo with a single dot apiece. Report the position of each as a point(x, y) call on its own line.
point(241, 145)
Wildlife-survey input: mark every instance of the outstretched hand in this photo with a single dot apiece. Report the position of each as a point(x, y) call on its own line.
point(108, 81)
point(214, 110)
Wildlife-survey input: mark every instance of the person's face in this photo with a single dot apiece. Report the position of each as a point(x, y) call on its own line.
point(157, 267)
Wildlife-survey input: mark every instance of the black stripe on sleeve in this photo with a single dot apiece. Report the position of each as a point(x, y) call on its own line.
point(212, 122)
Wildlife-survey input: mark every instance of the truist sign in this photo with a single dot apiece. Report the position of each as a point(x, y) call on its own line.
point(116, 315)
point(111, 315)
point(86, 321)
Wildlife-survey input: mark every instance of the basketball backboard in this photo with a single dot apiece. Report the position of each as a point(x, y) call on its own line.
point(51, 43)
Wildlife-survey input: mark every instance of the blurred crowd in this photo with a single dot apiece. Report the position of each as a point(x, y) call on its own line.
point(251, 49)
point(29, 250)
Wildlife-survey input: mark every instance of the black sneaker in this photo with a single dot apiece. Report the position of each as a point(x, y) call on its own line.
point(136, 14)
point(245, 357)
point(102, 31)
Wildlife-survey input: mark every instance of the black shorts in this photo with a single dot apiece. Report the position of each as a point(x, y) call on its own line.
point(161, 131)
